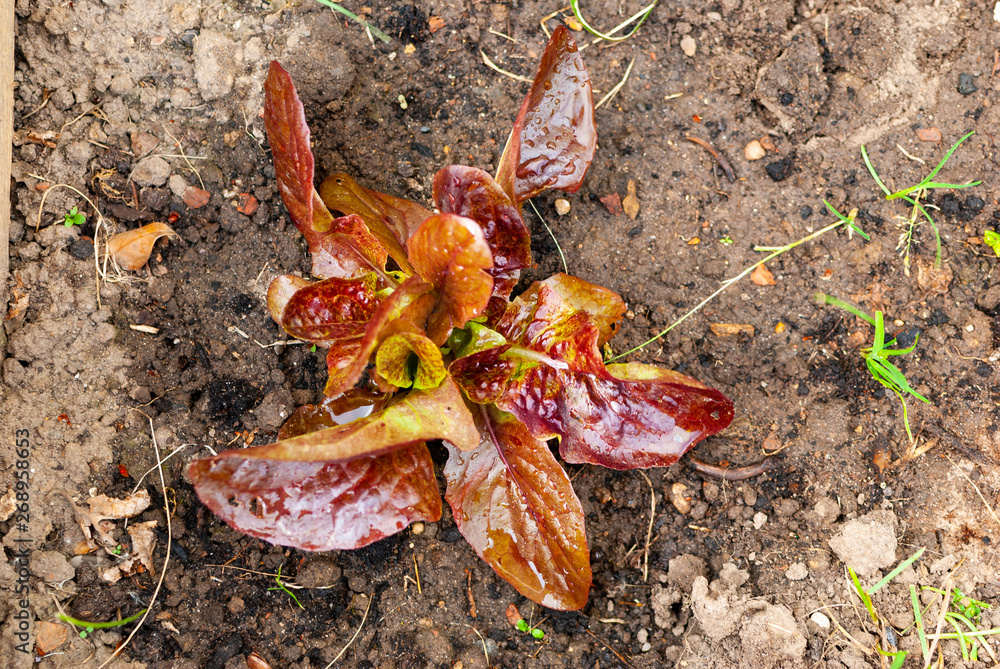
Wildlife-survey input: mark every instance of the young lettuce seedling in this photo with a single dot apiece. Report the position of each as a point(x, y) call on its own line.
point(436, 349)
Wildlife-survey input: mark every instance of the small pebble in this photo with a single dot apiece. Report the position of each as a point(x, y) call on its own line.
point(759, 519)
point(646, 647)
point(820, 620)
point(689, 46)
point(754, 151)
point(642, 636)
point(796, 572)
point(562, 206)
point(678, 497)
point(425, 128)
point(417, 528)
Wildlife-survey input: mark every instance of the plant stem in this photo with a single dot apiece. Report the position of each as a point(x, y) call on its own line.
point(113, 623)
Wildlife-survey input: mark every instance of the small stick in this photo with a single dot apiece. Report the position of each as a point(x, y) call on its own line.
point(472, 601)
point(732, 473)
point(545, 28)
point(719, 158)
point(363, 619)
point(417, 572)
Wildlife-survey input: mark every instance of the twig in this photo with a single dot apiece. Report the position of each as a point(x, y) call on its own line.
point(545, 28)
point(732, 473)
point(183, 155)
point(603, 643)
point(499, 34)
point(614, 91)
point(719, 158)
point(493, 66)
point(911, 156)
point(416, 571)
point(166, 559)
point(940, 622)
point(356, 633)
point(649, 531)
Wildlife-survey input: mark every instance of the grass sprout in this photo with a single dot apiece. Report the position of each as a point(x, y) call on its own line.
point(773, 252)
point(281, 586)
point(89, 627)
point(919, 192)
point(877, 357)
point(639, 16)
point(354, 17)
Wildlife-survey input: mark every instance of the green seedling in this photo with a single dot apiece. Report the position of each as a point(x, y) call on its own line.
point(74, 217)
point(963, 616)
point(281, 586)
point(773, 252)
point(639, 16)
point(354, 17)
point(726, 241)
point(533, 630)
point(992, 239)
point(89, 627)
point(877, 357)
point(918, 191)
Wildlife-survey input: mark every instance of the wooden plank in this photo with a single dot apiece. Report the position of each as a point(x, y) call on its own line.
point(7, 27)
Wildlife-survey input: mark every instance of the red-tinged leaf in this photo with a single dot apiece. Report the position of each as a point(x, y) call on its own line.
point(391, 220)
point(131, 249)
point(320, 506)
point(551, 376)
point(516, 507)
point(347, 361)
point(451, 254)
point(331, 310)
point(288, 136)
point(554, 137)
point(406, 343)
point(346, 249)
point(280, 291)
point(354, 404)
point(471, 192)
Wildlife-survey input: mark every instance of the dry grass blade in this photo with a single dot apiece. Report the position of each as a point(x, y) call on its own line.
point(614, 91)
point(493, 66)
point(649, 530)
point(166, 560)
point(356, 633)
point(989, 508)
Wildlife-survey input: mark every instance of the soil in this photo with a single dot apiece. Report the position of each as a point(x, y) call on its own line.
point(136, 104)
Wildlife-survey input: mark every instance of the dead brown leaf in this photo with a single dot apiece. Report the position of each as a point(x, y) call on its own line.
point(143, 542)
point(631, 203)
point(103, 508)
point(435, 23)
point(255, 661)
point(762, 276)
point(613, 202)
point(728, 329)
point(49, 636)
point(933, 279)
point(131, 249)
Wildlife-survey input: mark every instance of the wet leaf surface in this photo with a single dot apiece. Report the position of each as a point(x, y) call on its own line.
point(331, 310)
point(554, 138)
point(516, 507)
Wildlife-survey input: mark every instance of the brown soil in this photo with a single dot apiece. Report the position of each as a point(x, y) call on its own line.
point(816, 79)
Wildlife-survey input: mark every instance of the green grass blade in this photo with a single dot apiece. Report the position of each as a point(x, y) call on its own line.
point(896, 572)
point(871, 170)
point(948, 155)
point(898, 657)
point(936, 184)
point(919, 622)
point(97, 626)
point(823, 298)
point(354, 17)
point(879, 333)
point(950, 617)
point(863, 595)
point(641, 15)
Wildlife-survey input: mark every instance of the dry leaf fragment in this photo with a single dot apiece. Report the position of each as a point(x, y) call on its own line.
point(435, 23)
point(762, 276)
point(131, 249)
point(195, 198)
point(631, 203)
point(143, 143)
point(613, 202)
point(143, 542)
point(49, 636)
point(513, 615)
point(103, 507)
point(166, 624)
point(726, 329)
point(246, 204)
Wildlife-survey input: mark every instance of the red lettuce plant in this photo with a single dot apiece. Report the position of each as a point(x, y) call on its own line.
point(436, 349)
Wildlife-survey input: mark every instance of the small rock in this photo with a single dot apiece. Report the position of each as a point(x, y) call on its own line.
point(759, 519)
point(966, 84)
point(689, 46)
point(820, 620)
point(754, 151)
point(177, 185)
point(929, 134)
point(404, 168)
point(236, 605)
point(153, 171)
point(867, 543)
point(642, 636)
point(796, 572)
point(562, 206)
point(684, 568)
point(51, 566)
point(143, 143)
point(678, 497)
point(81, 249)
point(779, 170)
point(613, 203)
point(195, 198)
point(418, 528)
point(217, 60)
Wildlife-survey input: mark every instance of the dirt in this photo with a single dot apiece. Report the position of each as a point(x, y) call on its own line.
point(169, 93)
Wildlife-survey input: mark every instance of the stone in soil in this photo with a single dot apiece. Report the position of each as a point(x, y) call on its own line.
point(868, 543)
point(217, 60)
